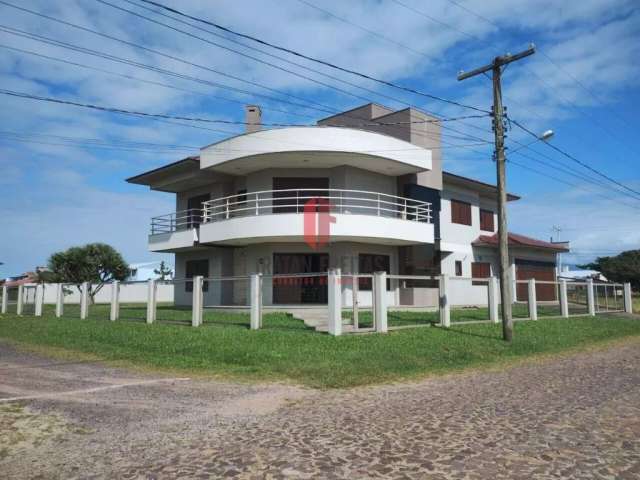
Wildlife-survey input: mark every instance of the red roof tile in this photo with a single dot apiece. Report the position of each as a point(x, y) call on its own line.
point(516, 240)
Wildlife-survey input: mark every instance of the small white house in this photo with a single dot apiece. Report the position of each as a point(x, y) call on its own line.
point(363, 191)
point(139, 272)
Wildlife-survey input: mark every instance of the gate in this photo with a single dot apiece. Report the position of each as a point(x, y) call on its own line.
point(608, 297)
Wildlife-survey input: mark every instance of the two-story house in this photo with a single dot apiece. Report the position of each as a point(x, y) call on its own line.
point(362, 191)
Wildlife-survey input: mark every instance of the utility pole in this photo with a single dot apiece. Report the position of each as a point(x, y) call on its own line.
point(498, 128)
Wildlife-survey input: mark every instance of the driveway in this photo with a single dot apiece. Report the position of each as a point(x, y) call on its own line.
point(576, 416)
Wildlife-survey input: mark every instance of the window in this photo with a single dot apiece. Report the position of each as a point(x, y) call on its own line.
point(194, 268)
point(480, 270)
point(194, 211)
point(458, 268)
point(486, 220)
point(294, 201)
point(460, 212)
point(370, 263)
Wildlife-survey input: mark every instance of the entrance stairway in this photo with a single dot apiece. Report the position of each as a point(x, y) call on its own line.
point(312, 316)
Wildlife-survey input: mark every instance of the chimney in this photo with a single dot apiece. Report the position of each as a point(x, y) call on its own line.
point(253, 118)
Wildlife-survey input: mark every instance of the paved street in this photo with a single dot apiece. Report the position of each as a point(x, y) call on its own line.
point(576, 416)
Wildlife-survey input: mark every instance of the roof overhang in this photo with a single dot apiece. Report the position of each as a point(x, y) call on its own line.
point(315, 147)
point(176, 177)
point(485, 189)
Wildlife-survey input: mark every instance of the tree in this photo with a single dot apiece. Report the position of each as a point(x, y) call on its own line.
point(96, 263)
point(163, 271)
point(624, 267)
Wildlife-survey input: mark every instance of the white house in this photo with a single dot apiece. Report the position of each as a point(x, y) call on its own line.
point(376, 198)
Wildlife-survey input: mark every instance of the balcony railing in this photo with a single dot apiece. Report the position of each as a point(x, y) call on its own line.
point(270, 202)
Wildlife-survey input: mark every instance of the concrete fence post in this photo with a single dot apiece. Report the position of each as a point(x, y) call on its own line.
point(196, 315)
point(513, 281)
point(533, 302)
point(84, 300)
point(39, 300)
point(591, 301)
point(59, 300)
point(151, 301)
point(564, 301)
point(5, 299)
point(380, 306)
point(114, 312)
point(255, 300)
point(445, 308)
point(335, 302)
point(628, 301)
point(20, 300)
point(494, 300)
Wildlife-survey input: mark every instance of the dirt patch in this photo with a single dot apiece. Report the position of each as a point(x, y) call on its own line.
point(22, 429)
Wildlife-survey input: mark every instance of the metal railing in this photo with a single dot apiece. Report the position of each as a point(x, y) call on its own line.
point(172, 222)
point(270, 202)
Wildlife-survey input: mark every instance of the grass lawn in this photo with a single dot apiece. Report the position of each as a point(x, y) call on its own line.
point(287, 350)
point(636, 303)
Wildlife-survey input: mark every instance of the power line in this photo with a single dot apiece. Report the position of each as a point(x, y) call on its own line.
point(179, 117)
point(142, 80)
point(156, 52)
point(364, 29)
point(313, 59)
point(571, 157)
point(273, 56)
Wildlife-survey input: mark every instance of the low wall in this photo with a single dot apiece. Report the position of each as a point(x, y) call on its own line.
point(134, 292)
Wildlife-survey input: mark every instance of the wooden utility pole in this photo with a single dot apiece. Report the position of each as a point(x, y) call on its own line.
point(503, 232)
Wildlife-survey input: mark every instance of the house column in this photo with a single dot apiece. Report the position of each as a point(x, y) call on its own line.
point(494, 300)
point(114, 313)
point(151, 301)
point(39, 300)
point(591, 298)
point(256, 300)
point(564, 301)
point(196, 315)
point(84, 300)
point(380, 301)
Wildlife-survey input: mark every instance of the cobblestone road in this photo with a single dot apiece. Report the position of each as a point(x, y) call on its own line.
point(571, 417)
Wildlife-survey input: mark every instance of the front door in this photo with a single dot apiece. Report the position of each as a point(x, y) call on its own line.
point(194, 210)
point(298, 289)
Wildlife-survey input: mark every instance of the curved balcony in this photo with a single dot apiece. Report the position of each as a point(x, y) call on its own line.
point(285, 216)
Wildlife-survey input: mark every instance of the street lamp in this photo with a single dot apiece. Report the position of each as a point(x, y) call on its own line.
point(544, 137)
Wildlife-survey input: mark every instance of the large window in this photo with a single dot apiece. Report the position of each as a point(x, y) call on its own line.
point(460, 212)
point(480, 270)
point(371, 263)
point(194, 268)
point(486, 220)
point(294, 201)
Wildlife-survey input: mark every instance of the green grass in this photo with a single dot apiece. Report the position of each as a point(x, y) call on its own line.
point(287, 350)
point(636, 303)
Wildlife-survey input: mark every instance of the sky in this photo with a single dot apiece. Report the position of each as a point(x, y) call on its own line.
point(63, 168)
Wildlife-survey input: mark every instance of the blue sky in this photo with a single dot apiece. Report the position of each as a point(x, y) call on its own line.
point(56, 192)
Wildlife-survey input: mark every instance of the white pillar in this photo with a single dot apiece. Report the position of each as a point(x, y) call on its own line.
point(151, 301)
point(20, 300)
point(39, 300)
point(255, 300)
point(59, 300)
point(380, 306)
point(533, 302)
point(114, 313)
point(196, 315)
point(591, 298)
point(84, 300)
point(335, 302)
point(628, 301)
point(514, 282)
point(494, 300)
point(5, 299)
point(564, 301)
point(445, 308)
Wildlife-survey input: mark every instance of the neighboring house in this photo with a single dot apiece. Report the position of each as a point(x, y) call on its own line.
point(139, 272)
point(24, 278)
point(240, 209)
point(582, 274)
